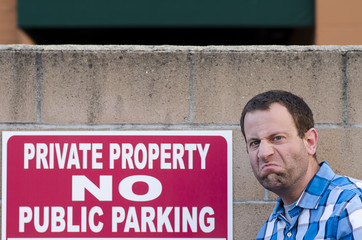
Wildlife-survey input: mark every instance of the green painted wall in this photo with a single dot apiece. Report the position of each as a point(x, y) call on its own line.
point(165, 13)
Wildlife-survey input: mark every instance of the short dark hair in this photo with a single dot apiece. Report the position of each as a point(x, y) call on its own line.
point(298, 109)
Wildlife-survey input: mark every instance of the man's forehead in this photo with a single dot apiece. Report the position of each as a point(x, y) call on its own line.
point(270, 109)
point(270, 121)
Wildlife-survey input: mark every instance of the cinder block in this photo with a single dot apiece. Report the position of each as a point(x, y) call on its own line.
point(354, 87)
point(18, 91)
point(113, 87)
point(225, 81)
point(246, 187)
point(249, 218)
point(341, 148)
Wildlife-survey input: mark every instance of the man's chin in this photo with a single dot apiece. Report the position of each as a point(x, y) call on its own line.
point(272, 181)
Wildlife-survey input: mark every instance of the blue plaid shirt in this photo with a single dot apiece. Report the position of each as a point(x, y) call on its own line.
point(329, 208)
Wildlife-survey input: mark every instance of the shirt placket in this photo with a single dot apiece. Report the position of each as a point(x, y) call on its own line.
point(290, 229)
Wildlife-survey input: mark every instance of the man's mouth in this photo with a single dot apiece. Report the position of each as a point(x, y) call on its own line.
point(268, 166)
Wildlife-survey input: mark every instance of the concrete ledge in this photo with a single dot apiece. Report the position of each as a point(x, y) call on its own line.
point(170, 48)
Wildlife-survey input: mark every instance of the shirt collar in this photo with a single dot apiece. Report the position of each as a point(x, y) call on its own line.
point(316, 187)
point(312, 193)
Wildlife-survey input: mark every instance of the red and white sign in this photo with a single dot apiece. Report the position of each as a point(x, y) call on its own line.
point(117, 185)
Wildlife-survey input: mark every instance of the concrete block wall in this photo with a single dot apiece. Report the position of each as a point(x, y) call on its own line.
point(187, 88)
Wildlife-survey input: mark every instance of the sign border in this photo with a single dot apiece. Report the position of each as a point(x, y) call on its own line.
point(226, 134)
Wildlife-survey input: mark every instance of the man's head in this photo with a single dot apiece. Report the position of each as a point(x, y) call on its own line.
point(298, 109)
point(281, 142)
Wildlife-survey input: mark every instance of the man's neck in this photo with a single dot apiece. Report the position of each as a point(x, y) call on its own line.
point(293, 192)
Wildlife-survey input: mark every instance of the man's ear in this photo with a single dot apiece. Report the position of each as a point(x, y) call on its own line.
point(310, 141)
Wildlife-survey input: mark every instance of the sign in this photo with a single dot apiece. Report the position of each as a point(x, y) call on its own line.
point(117, 185)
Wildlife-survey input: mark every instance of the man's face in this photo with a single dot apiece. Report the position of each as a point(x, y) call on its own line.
point(278, 156)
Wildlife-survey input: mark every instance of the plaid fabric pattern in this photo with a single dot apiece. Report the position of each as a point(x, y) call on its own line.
point(329, 208)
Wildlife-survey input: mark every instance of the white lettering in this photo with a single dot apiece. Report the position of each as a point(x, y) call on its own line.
point(80, 183)
point(53, 219)
point(118, 216)
point(188, 220)
point(58, 222)
point(73, 157)
point(149, 219)
point(96, 155)
point(92, 226)
point(140, 164)
point(71, 227)
point(38, 227)
point(177, 154)
point(84, 219)
point(153, 154)
point(114, 154)
point(85, 147)
point(29, 154)
point(51, 155)
point(141, 156)
point(203, 153)
point(177, 219)
point(25, 216)
point(165, 155)
point(132, 221)
point(163, 219)
point(154, 188)
point(190, 148)
point(127, 152)
point(61, 155)
point(210, 221)
point(41, 153)
point(147, 216)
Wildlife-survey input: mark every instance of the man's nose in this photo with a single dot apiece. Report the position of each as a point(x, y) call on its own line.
point(265, 149)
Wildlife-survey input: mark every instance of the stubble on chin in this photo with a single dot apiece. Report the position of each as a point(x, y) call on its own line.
point(273, 181)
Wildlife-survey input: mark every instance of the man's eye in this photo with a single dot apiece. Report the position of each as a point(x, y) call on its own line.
point(277, 138)
point(254, 143)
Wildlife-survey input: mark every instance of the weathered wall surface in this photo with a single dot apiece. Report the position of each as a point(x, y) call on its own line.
point(186, 88)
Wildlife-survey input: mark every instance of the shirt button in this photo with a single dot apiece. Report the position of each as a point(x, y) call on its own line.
point(289, 234)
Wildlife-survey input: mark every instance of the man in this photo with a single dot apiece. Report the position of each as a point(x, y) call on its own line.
point(314, 202)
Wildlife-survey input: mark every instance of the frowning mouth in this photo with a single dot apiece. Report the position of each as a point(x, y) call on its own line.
point(268, 166)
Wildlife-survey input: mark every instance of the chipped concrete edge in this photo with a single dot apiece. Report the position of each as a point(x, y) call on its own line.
point(172, 48)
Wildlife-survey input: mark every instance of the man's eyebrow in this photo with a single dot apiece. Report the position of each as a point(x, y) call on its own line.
point(276, 134)
point(252, 139)
point(268, 137)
